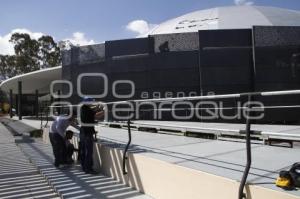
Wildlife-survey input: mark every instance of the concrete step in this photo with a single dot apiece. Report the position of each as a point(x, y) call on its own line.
point(71, 182)
point(18, 177)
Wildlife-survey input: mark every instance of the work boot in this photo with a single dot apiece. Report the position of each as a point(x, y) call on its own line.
point(91, 171)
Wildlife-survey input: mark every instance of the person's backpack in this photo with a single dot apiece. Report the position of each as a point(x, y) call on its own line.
point(289, 179)
point(284, 180)
point(295, 174)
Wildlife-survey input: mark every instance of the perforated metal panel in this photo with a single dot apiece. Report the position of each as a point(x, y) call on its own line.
point(177, 65)
point(276, 36)
point(176, 42)
point(91, 53)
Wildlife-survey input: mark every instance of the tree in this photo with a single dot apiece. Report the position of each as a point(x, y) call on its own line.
point(30, 55)
point(49, 52)
point(8, 66)
point(27, 52)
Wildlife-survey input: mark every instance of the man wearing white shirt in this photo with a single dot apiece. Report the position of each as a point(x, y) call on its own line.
point(57, 138)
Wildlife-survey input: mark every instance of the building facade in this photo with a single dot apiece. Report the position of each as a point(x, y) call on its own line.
point(221, 57)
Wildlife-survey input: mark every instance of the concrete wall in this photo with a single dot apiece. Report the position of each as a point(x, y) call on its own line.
point(163, 180)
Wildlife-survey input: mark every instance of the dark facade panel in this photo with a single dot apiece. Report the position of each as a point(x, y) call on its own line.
point(177, 71)
point(222, 64)
point(127, 65)
point(67, 71)
point(174, 78)
point(89, 85)
point(228, 76)
point(92, 85)
point(275, 65)
point(277, 68)
point(174, 60)
point(126, 47)
point(226, 57)
point(223, 38)
point(226, 61)
point(66, 57)
point(281, 115)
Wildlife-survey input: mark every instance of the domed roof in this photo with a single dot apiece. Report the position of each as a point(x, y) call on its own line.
point(232, 17)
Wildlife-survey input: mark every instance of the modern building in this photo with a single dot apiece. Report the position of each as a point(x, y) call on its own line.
point(218, 51)
point(223, 50)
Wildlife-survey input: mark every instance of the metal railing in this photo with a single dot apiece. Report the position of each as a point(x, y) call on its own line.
point(250, 96)
point(44, 113)
point(126, 148)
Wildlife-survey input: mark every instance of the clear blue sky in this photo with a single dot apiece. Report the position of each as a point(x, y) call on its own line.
point(102, 20)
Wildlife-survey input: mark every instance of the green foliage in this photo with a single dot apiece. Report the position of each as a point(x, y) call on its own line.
point(8, 66)
point(49, 52)
point(30, 55)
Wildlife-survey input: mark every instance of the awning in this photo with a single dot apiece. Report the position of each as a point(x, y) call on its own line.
point(38, 80)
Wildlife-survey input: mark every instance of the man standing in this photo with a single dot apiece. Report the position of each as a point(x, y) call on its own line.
point(88, 116)
point(57, 138)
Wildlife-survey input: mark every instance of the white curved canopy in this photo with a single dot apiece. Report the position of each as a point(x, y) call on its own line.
point(231, 17)
point(38, 80)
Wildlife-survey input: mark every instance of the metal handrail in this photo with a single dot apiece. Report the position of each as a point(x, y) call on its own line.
point(126, 148)
point(45, 111)
point(248, 149)
point(228, 96)
point(205, 97)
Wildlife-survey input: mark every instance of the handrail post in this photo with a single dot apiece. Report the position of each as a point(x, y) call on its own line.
point(47, 117)
point(248, 150)
point(11, 103)
point(20, 105)
point(37, 103)
point(41, 117)
point(126, 148)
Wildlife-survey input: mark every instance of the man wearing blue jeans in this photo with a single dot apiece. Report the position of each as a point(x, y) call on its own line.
point(57, 138)
point(87, 132)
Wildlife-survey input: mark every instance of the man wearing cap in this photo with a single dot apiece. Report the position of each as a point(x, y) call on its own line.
point(88, 116)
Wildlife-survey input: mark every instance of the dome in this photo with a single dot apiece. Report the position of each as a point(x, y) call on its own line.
point(232, 17)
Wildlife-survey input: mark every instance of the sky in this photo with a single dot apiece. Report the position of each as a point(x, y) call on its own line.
point(86, 22)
